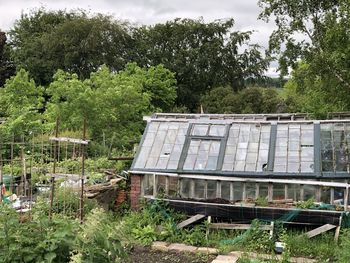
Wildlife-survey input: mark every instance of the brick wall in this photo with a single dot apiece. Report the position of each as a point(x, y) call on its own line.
point(135, 191)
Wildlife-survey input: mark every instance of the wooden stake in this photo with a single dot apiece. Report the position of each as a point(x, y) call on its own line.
point(53, 171)
point(82, 175)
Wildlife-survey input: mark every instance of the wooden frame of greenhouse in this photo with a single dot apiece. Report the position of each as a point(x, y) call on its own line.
point(222, 165)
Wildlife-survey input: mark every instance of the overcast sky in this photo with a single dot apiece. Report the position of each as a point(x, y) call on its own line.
point(244, 12)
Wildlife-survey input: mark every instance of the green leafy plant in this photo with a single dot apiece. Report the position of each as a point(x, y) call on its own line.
point(146, 235)
point(98, 239)
point(306, 204)
point(261, 201)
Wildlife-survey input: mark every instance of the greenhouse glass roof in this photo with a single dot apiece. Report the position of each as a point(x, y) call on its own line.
point(278, 145)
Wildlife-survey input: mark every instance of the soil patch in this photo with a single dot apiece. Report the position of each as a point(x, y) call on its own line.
point(147, 255)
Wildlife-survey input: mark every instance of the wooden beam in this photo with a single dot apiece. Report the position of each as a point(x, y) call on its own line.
point(121, 158)
point(66, 139)
point(189, 221)
point(320, 230)
point(238, 226)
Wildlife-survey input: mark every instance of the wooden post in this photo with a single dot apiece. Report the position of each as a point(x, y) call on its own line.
point(257, 189)
point(218, 189)
point(167, 185)
point(54, 171)
point(154, 180)
point(337, 230)
point(270, 192)
point(82, 175)
point(346, 198)
point(332, 196)
point(285, 192)
point(207, 232)
point(231, 192)
point(191, 193)
point(244, 193)
point(301, 192)
point(318, 193)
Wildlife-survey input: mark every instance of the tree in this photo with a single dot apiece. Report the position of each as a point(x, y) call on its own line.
point(305, 92)
point(7, 68)
point(202, 55)
point(20, 103)
point(113, 104)
point(76, 42)
point(324, 26)
point(249, 100)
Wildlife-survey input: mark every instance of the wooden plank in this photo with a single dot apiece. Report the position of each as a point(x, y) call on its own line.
point(189, 221)
point(121, 158)
point(337, 230)
point(238, 226)
point(66, 139)
point(282, 201)
point(320, 230)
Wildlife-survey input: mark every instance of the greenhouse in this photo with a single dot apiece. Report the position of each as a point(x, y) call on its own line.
point(239, 159)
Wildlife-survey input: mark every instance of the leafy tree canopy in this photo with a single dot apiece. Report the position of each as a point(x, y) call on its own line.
point(325, 26)
point(112, 103)
point(203, 55)
point(20, 102)
point(249, 100)
point(7, 68)
point(74, 41)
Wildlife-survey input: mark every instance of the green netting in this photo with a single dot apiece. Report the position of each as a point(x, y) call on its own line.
point(287, 217)
point(345, 220)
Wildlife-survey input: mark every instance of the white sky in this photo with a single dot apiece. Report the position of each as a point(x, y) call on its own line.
point(244, 12)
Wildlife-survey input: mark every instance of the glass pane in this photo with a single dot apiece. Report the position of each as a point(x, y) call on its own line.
point(211, 190)
point(278, 191)
point(189, 163)
point(185, 187)
point(225, 190)
point(237, 191)
point(250, 191)
point(214, 148)
point(212, 163)
point(199, 189)
point(200, 164)
point(173, 186)
point(217, 130)
point(200, 129)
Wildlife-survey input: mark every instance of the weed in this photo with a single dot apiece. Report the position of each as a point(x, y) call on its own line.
point(261, 201)
point(306, 204)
